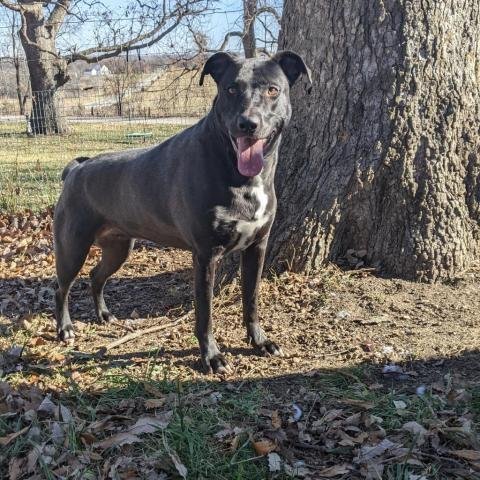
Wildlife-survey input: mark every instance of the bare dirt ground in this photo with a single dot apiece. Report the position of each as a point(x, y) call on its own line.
point(390, 339)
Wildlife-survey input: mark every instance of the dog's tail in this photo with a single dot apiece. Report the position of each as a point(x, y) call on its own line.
point(71, 165)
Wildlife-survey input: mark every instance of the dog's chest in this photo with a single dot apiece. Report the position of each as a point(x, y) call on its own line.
point(239, 224)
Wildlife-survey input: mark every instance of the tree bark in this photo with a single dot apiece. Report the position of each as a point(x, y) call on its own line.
point(248, 40)
point(384, 155)
point(47, 71)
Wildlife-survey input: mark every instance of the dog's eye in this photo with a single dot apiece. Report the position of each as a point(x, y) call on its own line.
point(273, 91)
point(232, 90)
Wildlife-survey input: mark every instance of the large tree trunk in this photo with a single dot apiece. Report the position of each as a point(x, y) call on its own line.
point(384, 155)
point(47, 71)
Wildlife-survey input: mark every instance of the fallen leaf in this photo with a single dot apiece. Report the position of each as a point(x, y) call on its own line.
point(417, 430)
point(358, 403)
point(87, 438)
point(33, 457)
point(122, 438)
point(65, 414)
point(37, 341)
point(153, 390)
point(368, 452)
point(297, 470)
point(264, 447)
point(4, 441)
point(225, 432)
point(58, 435)
point(400, 404)
point(350, 441)
point(389, 369)
point(16, 468)
point(332, 415)
point(334, 471)
point(372, 471)
point(274, 462)
point(151, 424)
point(47, 407)
point(235, 443)
point(141, 426)
point(181, 468)
point(472, 455)
point(297, 412)
point(152, 403)
point(276, 420)
point(100, 425)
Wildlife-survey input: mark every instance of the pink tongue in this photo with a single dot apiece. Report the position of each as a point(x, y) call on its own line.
point(249, 156)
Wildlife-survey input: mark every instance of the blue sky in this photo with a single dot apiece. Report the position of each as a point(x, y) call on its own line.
point(227, 17)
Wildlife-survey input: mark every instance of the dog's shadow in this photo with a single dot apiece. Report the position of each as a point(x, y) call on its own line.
point(126, 296)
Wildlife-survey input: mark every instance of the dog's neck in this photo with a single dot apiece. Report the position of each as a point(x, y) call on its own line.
point(225, 150)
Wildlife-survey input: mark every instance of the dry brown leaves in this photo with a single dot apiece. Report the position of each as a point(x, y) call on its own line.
point(345, 439)
point(25, 239)
point(47, 430)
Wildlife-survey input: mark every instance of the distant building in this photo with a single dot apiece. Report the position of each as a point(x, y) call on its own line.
point(96, 70)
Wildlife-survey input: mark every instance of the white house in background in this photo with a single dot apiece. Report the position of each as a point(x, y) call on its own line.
point(96, 70)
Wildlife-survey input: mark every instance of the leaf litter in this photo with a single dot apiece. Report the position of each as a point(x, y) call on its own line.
point(313, 431)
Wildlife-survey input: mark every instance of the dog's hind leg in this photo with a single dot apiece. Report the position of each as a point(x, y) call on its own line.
point(114, 253)
point(71, 249)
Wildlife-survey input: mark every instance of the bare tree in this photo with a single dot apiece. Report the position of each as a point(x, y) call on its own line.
point(42, 23)
point(20, 85)
point(121, 81)
point(254, 12)
point(382, 159)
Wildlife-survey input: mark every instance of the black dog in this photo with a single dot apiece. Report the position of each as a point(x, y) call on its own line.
point(208, 189)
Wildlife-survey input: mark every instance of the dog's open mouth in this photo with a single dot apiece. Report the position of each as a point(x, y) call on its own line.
point(250, 154)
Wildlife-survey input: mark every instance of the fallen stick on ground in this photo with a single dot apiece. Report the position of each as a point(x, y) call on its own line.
point(140, 333)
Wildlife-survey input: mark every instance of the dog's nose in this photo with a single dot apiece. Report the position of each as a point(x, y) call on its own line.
point(247, 124)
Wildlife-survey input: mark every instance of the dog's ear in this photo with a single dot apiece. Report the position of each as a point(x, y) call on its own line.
point(292, 65)
point(216, 66)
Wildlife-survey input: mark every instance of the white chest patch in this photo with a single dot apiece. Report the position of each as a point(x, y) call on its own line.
point(246, 229)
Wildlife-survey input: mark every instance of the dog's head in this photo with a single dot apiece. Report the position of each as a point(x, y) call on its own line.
point(253, 101)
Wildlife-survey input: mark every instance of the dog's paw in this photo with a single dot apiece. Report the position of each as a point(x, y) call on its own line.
point(65, 334)
point(105, 317)
point(217, 364)
point(270, 349)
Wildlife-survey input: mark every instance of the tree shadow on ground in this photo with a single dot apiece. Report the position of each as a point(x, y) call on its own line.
point(356, 422)
point(152, 295)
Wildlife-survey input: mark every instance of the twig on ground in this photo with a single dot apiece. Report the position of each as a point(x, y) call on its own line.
point(140, 333)
point(122, 325)
point(360, 271)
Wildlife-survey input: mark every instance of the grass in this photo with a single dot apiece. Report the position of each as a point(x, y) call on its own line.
point(30, 167)
point(191, 431)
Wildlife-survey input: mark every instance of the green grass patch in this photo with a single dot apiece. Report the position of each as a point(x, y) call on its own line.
point(30, 167)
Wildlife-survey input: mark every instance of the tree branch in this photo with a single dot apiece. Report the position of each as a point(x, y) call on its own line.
point(95, 54)
point(227, 37)
point(115, 50)
point(11, 6)
point(58, 13)
point(270, 10)
point(254, 16)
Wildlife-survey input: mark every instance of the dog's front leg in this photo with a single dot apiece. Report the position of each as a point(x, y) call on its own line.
point(212, 359)
point(252, 266)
